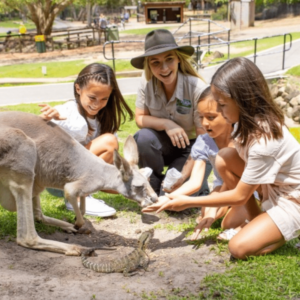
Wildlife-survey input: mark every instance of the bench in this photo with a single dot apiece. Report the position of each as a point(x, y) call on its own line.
point(79, 42)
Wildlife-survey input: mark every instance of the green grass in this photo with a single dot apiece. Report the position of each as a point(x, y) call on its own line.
point(142, 31)
point(15, 24)
point(30, 108)
point(269, 277)
point(294, 71)
point(248, 46)
point(19, 84)
point(34, 70)
point(55, 69)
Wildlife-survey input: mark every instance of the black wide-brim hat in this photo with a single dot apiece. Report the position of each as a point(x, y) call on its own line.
point(159, 41)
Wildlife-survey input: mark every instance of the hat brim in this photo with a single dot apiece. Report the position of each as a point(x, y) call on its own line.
point(138, 62)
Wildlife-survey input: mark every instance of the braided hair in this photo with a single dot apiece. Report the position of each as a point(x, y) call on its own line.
point(114, 113)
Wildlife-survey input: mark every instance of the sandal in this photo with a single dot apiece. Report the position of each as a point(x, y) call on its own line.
point(227, 234)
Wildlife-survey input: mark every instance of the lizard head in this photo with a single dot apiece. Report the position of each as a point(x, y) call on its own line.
point(145, 238)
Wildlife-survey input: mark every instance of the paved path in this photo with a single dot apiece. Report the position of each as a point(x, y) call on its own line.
point(53, 92)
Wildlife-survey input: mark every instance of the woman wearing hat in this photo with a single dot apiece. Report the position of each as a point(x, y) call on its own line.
point(166, 105)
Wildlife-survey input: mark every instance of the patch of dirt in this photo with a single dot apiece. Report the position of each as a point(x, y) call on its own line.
point(174, 263)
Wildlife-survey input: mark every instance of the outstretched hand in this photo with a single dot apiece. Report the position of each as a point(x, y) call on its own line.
point(49, 113)
point(204, 223)
point(154, 207)
point(179, 203)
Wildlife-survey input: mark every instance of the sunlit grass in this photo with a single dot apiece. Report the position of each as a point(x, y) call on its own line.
point(294, 71)
point(247, 47)
point(59, 69)
point(16, 23)
point(143, 31)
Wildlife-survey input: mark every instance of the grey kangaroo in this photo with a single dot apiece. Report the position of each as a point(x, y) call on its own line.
point(35, 154)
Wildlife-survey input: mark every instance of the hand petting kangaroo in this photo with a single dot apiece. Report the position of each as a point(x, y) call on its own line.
point(35, 154)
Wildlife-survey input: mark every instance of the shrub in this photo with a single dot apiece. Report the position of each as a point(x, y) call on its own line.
point(221, 13)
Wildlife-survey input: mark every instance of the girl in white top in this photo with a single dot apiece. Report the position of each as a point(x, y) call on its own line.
point(93, 118)
point(271, 156)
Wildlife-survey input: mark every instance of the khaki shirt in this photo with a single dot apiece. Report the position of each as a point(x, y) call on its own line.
point(181, 108)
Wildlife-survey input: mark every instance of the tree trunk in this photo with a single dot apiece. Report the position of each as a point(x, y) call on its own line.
point(42, 13)
point(88, 13)
point(73, 12)
point(82, 14)
point(95, 10)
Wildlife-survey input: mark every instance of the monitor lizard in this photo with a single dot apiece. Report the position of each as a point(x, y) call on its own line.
point(126, 264)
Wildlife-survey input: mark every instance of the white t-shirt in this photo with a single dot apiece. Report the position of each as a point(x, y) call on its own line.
point(75, 124)
point(274, 164)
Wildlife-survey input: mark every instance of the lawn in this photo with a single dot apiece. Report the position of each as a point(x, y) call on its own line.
point(247, 48)
point(16, 23)
point(55, 69)
point(274, 276)
point(143, 31)
point(294, 71)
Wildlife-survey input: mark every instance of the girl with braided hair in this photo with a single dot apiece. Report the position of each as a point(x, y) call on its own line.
point(93, 118)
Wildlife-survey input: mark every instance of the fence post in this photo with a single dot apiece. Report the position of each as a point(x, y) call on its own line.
point(199, 40)
point(94, 39)
point(228, 43)
point(52, 43)
point(197, 57)
point(113, 54)
point(190, 33)
point(208, 36)
point(20, 43)
point(255, 49)
point(283, 55)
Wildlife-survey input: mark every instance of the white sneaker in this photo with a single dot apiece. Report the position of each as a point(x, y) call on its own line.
point(94, 207)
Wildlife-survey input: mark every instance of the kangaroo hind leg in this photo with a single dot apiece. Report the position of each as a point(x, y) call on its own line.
point(18, 159)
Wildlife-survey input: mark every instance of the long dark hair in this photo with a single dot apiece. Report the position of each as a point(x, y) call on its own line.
point(114, 113)
point(241, 80)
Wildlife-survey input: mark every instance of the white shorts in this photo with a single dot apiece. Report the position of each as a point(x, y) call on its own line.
point(286, 216)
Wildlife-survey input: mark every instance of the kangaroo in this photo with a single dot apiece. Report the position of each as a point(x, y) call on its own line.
point(35, 154)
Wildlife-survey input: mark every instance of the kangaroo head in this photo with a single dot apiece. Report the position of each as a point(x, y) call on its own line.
point(135, 179)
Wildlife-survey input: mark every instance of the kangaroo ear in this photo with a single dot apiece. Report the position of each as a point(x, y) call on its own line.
point(130, 151)
point(146, 172)
point(123, 166)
